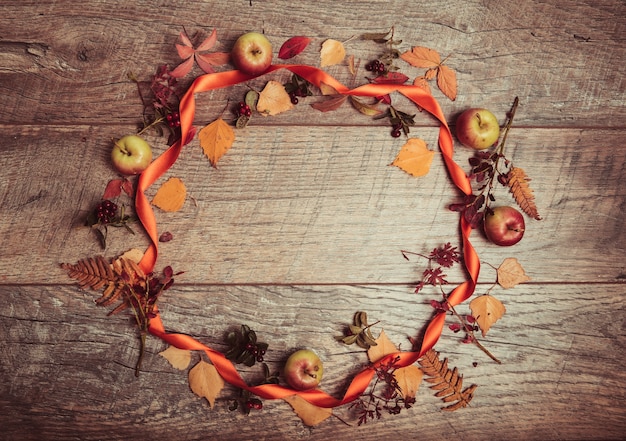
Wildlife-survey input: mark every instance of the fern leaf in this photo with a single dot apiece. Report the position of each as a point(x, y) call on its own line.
point(447, 382)
point(521, 191)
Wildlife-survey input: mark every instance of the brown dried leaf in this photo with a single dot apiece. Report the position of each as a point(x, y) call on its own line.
point(521, 191)
point(511, 273)
point(171, 195)
point(205, 381)
point(310, 414)
point(448, 382)
point(273, 99)
point(409, 379)
point(332, 52)
point(487, 310)
point(414, 158)
point(364, 108)
point(178, 358)
point(329, 104)
point(216, 139)
point(420, 56)
point(446, 81)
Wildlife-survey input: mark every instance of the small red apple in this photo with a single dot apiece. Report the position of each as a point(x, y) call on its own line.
point(477, 128)
point(303, 370)
point(504, 226)
point(252, 53)
point(131, 154)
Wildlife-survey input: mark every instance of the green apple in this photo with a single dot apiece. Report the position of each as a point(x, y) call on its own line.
point(131, 154)
point(303, 370)
point(477, 128)
point(252, 53)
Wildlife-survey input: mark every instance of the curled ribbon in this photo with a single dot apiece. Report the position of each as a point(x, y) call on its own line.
point(315, 76)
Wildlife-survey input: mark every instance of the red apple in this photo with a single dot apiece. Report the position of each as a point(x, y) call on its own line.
point(477, 128)
point(131, 154)
point(505, 226)
point(252, 53)
point(303, 370)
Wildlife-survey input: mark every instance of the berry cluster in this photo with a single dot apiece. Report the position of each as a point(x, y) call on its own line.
point(254, 403)
point(255, 350)
point(301, 92)
point(106, 211)
point(173, 119)
point(376, 66)
point(396, 130)
point(244, 110)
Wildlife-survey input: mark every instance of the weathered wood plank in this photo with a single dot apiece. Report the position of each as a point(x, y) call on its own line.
point(69, 369)
point(311, 205)
point(60, 65)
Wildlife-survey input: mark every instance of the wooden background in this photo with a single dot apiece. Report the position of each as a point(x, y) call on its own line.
point(303, 222)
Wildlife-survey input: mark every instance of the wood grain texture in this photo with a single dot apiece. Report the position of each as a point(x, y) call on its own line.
point(303, 221)
point(71, 368)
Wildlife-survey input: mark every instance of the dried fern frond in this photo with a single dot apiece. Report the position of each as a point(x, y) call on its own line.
point(521, 191)
point(113, 278)
point(447, 382)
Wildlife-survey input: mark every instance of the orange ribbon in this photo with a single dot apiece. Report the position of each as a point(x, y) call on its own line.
point(315, 76)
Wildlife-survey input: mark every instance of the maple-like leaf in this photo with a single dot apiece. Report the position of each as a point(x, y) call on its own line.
point(521, 191)
point(446, 81)
point(486, 309)
point(205, 381)
point(206, 62)
point(293, 47)
point(310, 414)
point(332, 52)
point(171, 195)
point(511, 273)
point(178, 358)
point(216, 139)
point(273, 99)
point(414, 157)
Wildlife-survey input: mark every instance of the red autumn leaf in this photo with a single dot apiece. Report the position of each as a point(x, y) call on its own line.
point(115, 187)
point(391, 78)
point(333, 102)
point(293, 47)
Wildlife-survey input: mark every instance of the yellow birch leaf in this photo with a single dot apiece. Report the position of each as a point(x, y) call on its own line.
point(487, 310)
point(327, 89)
point(420, 56)
point(364, 108)
point(205, 381)
point(178, 358)
point(332, 52)
point(171, 195)
point(446, 81)
point(511, 273)
point(273, 99)
point(310, 414)
point(409, 379)
point(215, 140)
point(414, 158)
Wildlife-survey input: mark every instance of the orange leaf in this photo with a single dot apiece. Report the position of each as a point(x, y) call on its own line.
point(332, 52)
point(486, 309)
point(171, 195)
point(521, 191)
point(414, 158)
point(409, 377)
point(178, 358)
point(205, 381)
point(383, 347)
point(446, 81)
point(273, 99)
point(215, 139)
point(422, 57)
point(511, 273)
point(310, 414)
